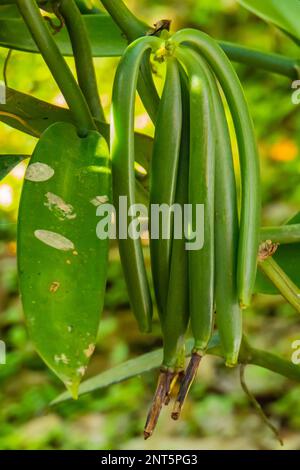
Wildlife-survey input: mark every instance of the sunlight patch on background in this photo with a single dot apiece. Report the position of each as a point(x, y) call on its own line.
point(59, 100)
point(19, 171)
point(6, 196)
point(142, 121)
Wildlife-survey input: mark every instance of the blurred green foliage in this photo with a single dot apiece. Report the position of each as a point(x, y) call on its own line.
point(217, 415)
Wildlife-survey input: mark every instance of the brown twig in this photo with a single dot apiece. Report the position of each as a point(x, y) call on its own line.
point(189, 377)
point(162, 392)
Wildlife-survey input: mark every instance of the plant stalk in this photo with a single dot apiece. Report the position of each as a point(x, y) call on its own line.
point(284, 234)
point(57, 65)
point(280, 280)
point(274, 63)
point(275, 364)
point(131, 26)
point(83, 56)
point(134, 28)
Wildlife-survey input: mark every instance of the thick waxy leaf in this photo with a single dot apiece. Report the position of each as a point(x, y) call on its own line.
point(33, 116)
point(8, 162)
point(120, 373)
point(288, 258)
point(283, 14)
point(9, 11)
point(105, 37)
point(30, 115)
point(62, 264)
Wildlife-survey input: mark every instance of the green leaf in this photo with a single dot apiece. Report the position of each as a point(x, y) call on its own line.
point(30, 115)
point(283, 14)
point(33, 116)
point(105, 37)
point(288, 258)
point(62, 264)
point(8, 162)
point(9, 11)
point(120, 373)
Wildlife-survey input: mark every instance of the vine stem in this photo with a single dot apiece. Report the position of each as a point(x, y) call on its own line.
point(134, 28)
point(258, 357)
point(274, 63)
point(258, 408)
point(125, 19)
point(5, 66)
point(83, 56)
point(284, 234)
point(279, 278)
point(57, 65)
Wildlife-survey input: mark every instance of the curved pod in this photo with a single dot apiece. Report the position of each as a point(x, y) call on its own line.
point(201, 192)
point(123, 156)
point(163, 178)
point(250, 172)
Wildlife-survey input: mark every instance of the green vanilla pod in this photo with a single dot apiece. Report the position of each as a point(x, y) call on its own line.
point(163, 178)
point(175, 318)
point(201, 192)
point(177, 314)
point(123, 156)
point(249, 161)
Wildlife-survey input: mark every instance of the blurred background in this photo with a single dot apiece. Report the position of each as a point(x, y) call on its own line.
point(217, 414)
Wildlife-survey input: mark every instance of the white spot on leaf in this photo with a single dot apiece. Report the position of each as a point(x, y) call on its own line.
point(55, 240)
point(89, 351)
point(39, 172)
point(81, 370)
point(62, 358)
point(59, 207)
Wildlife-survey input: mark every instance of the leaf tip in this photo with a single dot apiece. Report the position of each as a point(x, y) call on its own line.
point(73, 388)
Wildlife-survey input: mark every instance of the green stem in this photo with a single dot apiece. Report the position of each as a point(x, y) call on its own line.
point(5, 66)
point(257, 406)
point(275, 363)
point(134, 28)
point(83, 56)
point(284, 234)
point(57, 65)
point(274, 63)
point(131, 26)
point(280, 280)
